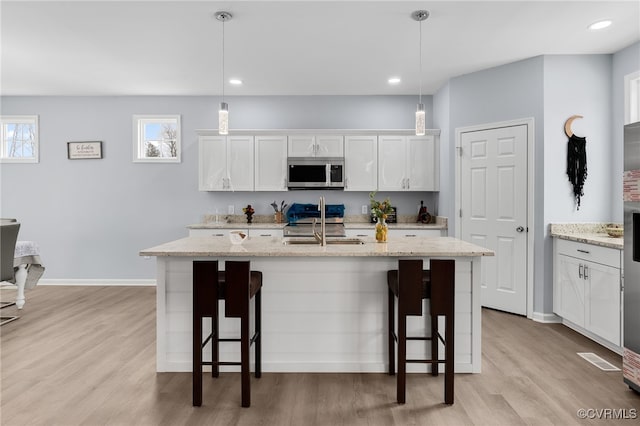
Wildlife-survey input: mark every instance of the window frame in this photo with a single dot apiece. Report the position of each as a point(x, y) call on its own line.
point(19, 119)
point(632, 97)
point(139, 121)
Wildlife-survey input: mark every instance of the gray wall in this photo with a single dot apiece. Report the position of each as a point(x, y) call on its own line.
point(625, 62)
point(575, 84)
point(91, 217)
point(508, 92)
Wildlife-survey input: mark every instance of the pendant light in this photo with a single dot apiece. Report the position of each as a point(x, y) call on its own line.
point(223, 113)
point(420, 15)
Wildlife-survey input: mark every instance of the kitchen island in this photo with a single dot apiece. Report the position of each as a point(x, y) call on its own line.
point(324, 308)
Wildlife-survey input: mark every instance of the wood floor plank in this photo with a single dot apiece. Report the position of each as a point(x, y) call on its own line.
point(86, 356)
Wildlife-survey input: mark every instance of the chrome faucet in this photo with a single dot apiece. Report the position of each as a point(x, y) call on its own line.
point(322, 236)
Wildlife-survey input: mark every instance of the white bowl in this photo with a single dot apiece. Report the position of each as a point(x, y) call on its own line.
point(237, 236)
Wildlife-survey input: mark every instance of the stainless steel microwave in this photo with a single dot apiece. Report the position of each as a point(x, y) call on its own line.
point(315, 173)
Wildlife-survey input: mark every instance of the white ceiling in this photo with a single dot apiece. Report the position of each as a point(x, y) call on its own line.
point(286, 47)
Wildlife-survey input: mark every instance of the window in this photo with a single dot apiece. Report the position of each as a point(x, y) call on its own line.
point(156, 138)
point(632, 97)
point(19, 142)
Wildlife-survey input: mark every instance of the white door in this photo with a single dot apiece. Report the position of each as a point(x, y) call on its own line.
point(603, 307)
point(213, 163)
point(361, 163)
point(493, 185)
point(240, 163)
point(422, 163)
point(392, 162)
point(329, 146)
point(271, 163)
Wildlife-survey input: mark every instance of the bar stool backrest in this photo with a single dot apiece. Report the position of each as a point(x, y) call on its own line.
point(8, 238)
point(410, 291)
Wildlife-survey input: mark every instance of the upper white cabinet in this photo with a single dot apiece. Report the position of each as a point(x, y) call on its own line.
point(226, 163)
point(587, 290)
point(316, 146)
point(271, 163)
point(361, 163)
point(408, 163)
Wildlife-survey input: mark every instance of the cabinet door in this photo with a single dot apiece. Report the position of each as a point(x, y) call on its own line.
point(392, 157)
point(240, 163)
point(266, 232)
point(415, 233)
point(361, 163)
point(271, 163)
point(213, 163)
point(602, 315)
point(570, 290)
point(422, 163)
point(329, 146)
point(301, 146)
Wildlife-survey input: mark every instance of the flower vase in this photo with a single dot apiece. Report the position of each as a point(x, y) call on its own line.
point(381, 230)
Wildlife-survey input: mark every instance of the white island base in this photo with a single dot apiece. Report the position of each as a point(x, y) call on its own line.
point(319, 314)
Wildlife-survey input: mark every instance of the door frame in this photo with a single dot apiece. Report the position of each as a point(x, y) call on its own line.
point(529, 122)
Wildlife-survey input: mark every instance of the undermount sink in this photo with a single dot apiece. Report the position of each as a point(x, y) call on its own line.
point(330, 241)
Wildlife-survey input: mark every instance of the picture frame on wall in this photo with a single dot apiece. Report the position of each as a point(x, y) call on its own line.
point(84, 150)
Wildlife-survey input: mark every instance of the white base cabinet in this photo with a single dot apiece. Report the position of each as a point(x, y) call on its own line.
point(587, 290)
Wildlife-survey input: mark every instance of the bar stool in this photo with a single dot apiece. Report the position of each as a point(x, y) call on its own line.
point(410, 284)
point(236, 286)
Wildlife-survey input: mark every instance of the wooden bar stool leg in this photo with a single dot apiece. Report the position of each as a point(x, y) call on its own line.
point(197, 357)
point(391, 328)
point(402, 356)
point(258, 327)
point(244, 361)
point(205, 296)
point(449, 365)
point(435, 343)
point(215, 342)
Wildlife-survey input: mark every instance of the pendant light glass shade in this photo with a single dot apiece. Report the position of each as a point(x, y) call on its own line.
point(420, 127)
point(223, 119)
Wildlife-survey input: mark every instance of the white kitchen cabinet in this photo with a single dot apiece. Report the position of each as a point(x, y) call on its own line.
point(265, 232)
point(226, 163)
point(213, 232)
point(587, 289)
point(316, 146)
point(404, 232)
point(408, 163)
point(361, 163)
point(271, 163)
point(415, 232)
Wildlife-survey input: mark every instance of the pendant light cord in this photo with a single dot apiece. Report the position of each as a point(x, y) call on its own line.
point(420, 54)
point(223, 60)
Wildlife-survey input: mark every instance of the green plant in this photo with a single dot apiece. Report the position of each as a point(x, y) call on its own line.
point(380, 209)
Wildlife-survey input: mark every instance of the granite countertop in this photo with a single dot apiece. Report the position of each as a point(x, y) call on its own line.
point(589, 233)
point(266, 247)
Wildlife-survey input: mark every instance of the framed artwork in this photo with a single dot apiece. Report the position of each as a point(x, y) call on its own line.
point(84, 150)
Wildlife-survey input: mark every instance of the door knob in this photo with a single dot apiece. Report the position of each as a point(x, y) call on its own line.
point(520, 229)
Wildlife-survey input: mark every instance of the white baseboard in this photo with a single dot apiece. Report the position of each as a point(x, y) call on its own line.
point(97, 282)
point(546, 318)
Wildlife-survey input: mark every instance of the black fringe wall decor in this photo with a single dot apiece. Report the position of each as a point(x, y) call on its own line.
point(577, 165)
point(576, 160)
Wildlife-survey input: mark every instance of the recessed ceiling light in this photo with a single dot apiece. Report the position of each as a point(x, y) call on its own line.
point(394, 80)
point(235, 81)
point(600, 24)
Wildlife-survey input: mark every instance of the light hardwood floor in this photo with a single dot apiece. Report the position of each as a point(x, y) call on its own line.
point(86, 356)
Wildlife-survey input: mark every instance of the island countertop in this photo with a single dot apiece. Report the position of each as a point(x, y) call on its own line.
point(274, 247)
